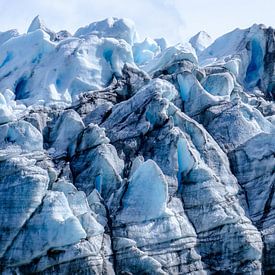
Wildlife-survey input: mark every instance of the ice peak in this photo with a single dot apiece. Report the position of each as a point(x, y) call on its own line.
point(39, 24)
point(111, 27)
point(200, 41)
point(147, 194)
point(36, 24)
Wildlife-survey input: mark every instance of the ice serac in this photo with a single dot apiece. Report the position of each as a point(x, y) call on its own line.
point(95, 163)
point(195, 167)
point(145, 199)
point(200, 41)
point(40, 70)
point(5, 36)
point(145, 51)
point(53, 226)
point(150, 223)
point(38, 24)
point(248, 53)
point(111, 27)
point(120, 156)
point(171, 55)
point(246, 135)
point(65, 131)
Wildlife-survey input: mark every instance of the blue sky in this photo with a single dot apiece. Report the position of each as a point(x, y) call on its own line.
point(176, 20)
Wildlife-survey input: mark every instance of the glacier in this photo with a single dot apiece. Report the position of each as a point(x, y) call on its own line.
point(128, 156)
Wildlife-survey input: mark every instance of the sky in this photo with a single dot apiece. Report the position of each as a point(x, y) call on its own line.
point(176, 20)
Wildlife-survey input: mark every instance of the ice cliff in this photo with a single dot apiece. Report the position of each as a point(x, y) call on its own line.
point(120, 156)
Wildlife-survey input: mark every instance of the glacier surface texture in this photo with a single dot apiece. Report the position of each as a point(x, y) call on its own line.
point(121, 156)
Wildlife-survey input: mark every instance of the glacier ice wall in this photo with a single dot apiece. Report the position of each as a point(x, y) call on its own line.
point(120, 156)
